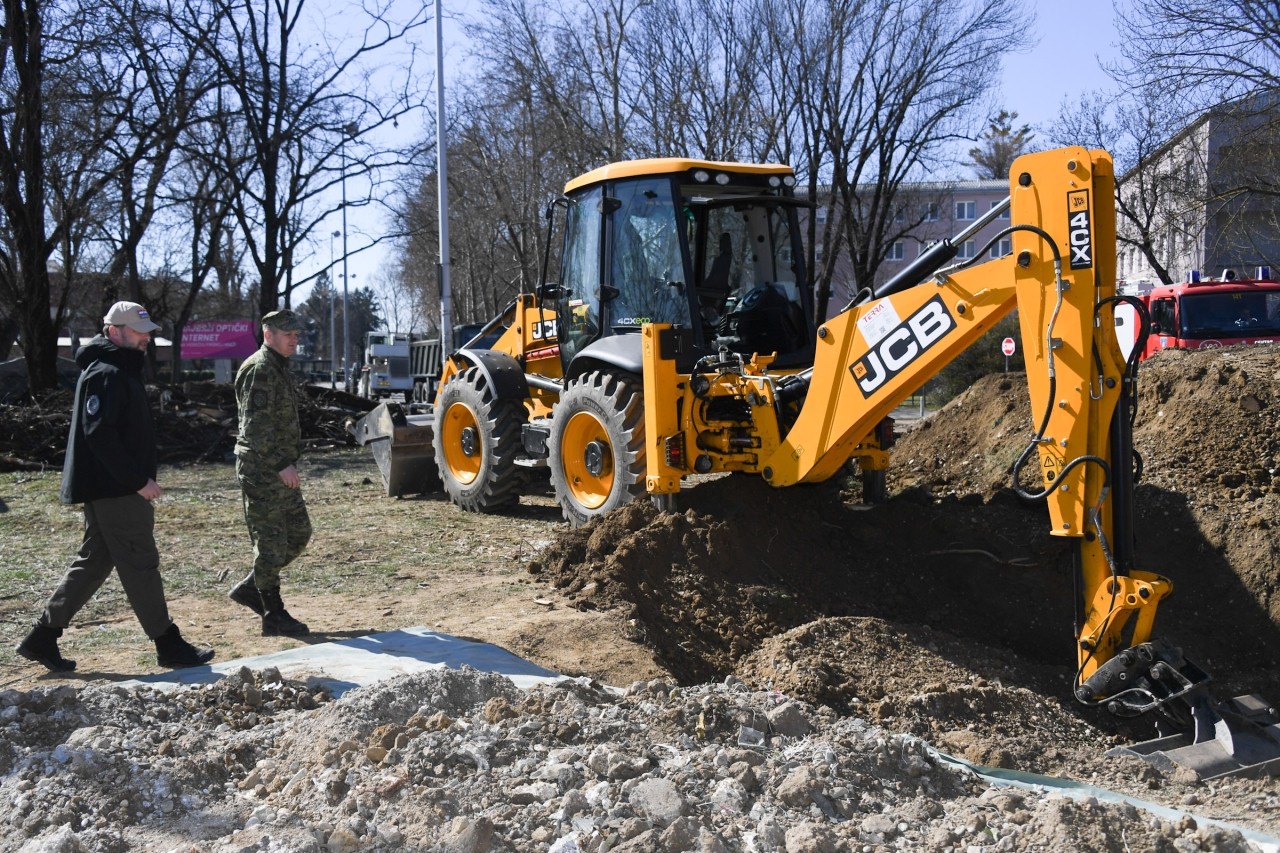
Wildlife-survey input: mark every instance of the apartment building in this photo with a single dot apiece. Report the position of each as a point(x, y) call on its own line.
point(942, 210)
point(1213, 189)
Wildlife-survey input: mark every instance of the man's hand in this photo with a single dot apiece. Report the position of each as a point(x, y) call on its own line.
point(290, 477)
point(151, 490)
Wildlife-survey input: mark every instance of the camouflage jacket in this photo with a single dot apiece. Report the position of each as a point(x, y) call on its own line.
point(266, 399)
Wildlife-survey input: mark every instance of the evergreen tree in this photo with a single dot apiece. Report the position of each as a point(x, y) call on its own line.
point(1000, 145)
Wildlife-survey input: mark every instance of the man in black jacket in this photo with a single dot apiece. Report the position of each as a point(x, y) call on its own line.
point(111, 468)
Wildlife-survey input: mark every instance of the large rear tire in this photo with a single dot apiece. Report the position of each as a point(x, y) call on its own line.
point(476, 442)
point(597, 448)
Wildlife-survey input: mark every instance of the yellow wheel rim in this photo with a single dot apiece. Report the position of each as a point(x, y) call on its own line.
point(587, 458)
point(460, 438)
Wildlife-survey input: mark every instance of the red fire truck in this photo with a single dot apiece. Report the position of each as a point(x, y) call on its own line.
point(1204, 313)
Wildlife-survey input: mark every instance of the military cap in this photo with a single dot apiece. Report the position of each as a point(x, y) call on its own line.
point(283, 320)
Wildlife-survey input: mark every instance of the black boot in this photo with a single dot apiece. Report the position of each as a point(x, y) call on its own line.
point(246, 593)
point(174, 652)
point(41, 646)
point(277, 622)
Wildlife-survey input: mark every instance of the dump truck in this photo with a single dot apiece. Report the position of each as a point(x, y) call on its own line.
point(386, 366)
point(410, 365)
point(618, 381)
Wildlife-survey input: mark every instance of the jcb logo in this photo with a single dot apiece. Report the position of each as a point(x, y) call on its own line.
point(544, 330)
point(1079, 232)
point(907, 342)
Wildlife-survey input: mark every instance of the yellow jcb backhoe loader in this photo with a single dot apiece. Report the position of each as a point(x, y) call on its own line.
point(640, 368)
point(736, 414)
point(713, 248)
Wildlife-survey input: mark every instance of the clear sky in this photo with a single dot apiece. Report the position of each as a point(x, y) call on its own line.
point(1066, 44)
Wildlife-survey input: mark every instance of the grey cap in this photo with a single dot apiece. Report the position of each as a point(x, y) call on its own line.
point(284, 320)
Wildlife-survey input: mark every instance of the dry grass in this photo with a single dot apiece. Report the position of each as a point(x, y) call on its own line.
point(392, 552)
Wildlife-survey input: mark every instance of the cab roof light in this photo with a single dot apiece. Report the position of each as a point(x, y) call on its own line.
point(701, 176)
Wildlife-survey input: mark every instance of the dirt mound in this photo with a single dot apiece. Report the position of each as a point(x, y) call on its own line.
point(954, 582)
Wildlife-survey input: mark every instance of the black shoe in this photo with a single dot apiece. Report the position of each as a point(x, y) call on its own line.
point(41, 646)
point(277, 622)
point(174, 652)
point(246, 593)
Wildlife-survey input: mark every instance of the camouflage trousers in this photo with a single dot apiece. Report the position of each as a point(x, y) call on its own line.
point(277, 519)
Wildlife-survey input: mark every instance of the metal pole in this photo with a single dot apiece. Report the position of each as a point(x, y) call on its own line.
point(346, 306)
point(333, 338)
point(442, 176)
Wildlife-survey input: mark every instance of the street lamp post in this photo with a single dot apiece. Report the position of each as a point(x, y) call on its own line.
point(347, 131)
point(333, 338)
point(442, 192)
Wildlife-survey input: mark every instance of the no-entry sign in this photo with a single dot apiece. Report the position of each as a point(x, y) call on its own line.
point(1008, 347)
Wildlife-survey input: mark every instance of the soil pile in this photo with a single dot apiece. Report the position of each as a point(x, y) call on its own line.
point(948, 611)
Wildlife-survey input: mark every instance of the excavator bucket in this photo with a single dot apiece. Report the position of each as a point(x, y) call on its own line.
point(1238, 737)
point(401, 446)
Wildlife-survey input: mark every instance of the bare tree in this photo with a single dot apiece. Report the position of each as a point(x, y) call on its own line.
point(567, 61)
point(698, 93)
point(1154, 193)
point(881, 89)
point(859, 96)
point(1201, 52)
point(302, 114)
point(56, 118)
point(1192, 127)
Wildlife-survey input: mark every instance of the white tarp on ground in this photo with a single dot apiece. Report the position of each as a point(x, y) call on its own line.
point(344, 664)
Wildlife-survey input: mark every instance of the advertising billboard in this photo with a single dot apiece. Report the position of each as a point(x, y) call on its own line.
point(219, 339)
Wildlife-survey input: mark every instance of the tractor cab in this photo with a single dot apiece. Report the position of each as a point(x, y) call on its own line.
point(711, 247)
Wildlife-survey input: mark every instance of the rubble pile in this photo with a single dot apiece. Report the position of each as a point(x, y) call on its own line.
point(195, 422)
point(464, 762)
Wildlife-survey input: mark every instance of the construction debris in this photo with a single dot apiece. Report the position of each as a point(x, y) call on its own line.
point(195, 422)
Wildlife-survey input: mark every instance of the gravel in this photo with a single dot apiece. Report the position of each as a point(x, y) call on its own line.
point(462, 761)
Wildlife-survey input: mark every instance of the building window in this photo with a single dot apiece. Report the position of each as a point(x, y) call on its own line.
point(967, 249)
point(931, 212)
point(966, 210)
point(1004, 247)
point(1005, 214)
point(821, 215)
point(897, 252)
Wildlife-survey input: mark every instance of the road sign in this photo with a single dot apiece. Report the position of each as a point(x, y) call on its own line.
point(1008, 347)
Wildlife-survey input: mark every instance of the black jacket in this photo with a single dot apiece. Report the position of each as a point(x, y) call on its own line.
point(111, 447)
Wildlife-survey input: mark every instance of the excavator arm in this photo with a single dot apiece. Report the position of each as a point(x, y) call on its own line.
point(730, 414)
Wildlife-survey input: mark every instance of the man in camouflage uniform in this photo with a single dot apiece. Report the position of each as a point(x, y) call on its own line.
point(267, 451)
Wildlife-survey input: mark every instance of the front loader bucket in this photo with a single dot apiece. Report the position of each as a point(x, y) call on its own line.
point(401, 446)
point(1241, 739)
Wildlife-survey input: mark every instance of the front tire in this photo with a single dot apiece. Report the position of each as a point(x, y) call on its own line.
point(476, 442)
point(597, 446)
